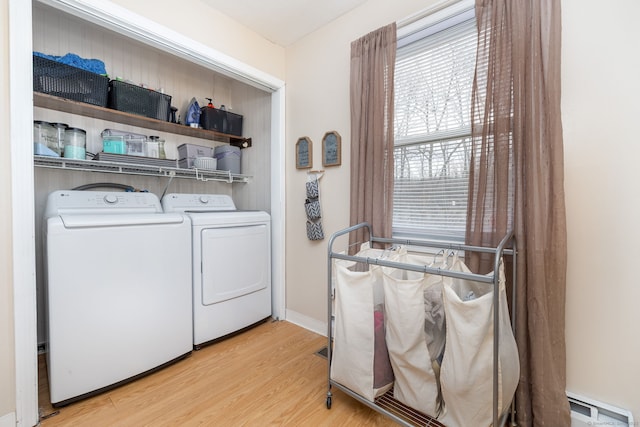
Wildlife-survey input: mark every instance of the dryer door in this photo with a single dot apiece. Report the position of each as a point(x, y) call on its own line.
point(235, 262)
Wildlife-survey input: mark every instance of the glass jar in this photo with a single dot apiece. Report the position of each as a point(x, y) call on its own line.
point(60, 130)
point(75, 143)
point(159, 144)
point(44, 133)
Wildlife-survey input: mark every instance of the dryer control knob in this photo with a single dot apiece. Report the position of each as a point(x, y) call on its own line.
point(111, 199)
point(204, 199)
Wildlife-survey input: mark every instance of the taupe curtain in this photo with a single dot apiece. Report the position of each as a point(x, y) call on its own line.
point(373, 58)
point(517, 182)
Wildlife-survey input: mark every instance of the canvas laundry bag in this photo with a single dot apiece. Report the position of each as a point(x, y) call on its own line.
point(360, 360)
point(416, 382)
point(467, 367)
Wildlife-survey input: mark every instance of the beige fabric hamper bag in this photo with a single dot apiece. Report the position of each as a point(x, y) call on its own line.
point(416, 383)
point(467, 366)
point(360, 360)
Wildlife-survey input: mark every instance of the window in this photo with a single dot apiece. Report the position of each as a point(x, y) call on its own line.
point(435, 65)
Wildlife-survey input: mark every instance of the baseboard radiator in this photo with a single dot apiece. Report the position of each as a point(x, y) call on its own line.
point(587, 412)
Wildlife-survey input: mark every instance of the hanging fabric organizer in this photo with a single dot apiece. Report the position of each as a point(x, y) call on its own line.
point(447, 332)
point(312, 206)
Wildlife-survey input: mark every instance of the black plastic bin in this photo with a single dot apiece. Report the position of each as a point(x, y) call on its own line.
point(55, 78)
point(135, 99)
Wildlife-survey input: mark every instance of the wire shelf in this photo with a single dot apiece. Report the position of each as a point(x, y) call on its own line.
point(137, 169)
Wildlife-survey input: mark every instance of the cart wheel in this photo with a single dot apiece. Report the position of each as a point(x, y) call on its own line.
point(328, 402)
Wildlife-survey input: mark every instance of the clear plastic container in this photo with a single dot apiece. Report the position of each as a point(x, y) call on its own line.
point(75, 143)
point(136, 146)
point(114, 144)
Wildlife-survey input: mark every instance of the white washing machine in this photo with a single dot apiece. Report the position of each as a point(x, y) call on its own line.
point(231, 264)
point(118, 282)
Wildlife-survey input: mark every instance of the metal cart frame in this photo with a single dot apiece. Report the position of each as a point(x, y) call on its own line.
point(386, 404)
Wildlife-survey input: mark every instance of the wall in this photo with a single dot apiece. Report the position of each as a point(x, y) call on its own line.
point(600, 88)
point(196, 20)
point(600, 63)
point(7, 361)
point(317, 102)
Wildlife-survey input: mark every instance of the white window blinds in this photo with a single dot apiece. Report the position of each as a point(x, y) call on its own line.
point(433, 83)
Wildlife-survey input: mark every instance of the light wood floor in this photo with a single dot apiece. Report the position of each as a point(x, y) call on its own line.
point(266, 376)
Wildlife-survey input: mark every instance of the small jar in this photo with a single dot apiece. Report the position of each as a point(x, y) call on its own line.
point(75, 143)
point(155, 140)
point(152, 148)
point(60, 130)
point(45, 134)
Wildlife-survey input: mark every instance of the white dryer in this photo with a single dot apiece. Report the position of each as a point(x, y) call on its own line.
point(231, 264)
point(118, 283)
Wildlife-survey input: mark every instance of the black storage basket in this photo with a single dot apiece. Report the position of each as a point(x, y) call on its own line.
point(213, 119)
point(234, 124)
point(139, 100)
point(66, 81)
point(221, 121)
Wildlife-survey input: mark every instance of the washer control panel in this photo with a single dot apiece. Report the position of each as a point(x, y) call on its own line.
point(75, 201)
point(177, 202)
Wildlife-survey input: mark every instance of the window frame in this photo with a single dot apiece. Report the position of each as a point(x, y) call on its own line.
point(411, 30)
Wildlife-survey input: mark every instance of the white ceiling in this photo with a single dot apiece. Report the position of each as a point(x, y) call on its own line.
point(283, 21)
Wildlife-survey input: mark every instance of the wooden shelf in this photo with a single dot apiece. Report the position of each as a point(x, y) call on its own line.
point(93, 111)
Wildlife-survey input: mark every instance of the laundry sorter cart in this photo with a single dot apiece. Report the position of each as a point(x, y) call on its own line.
point(495, 344)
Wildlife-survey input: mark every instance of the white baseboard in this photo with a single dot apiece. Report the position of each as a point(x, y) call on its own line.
point(8, 420)
point(306, 322)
